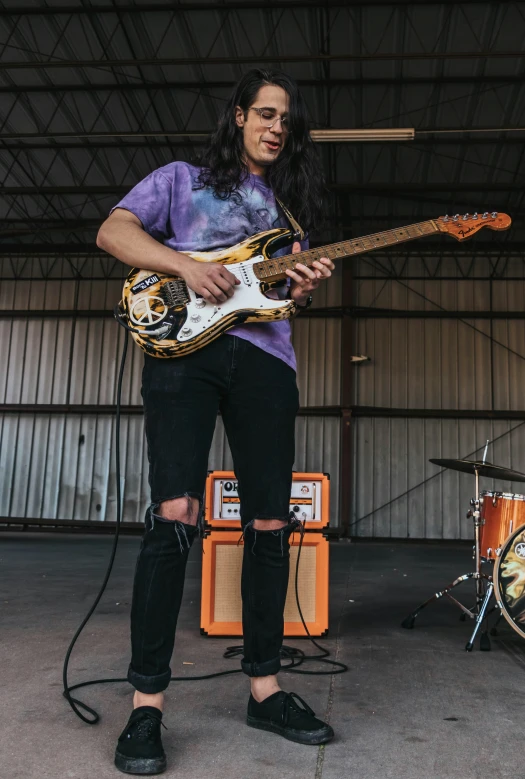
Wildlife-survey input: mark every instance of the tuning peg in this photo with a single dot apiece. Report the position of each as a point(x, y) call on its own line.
point(485, 215)
point(475, 216)
point(465, 216)
point(446, 218)
point(494, 214)
point(455, 217)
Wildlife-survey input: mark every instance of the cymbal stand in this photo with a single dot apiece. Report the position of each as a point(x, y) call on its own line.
point(479, 619)
point(477, 575)
point(476, 515)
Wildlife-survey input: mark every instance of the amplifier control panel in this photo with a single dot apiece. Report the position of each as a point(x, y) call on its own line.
point(308, 500)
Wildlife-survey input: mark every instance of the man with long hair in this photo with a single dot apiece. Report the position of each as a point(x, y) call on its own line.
point(260, 155)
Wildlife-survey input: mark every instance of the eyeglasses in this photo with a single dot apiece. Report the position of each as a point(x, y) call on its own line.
point(268, 119)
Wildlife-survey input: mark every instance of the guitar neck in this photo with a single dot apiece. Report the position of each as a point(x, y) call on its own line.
point(274, 270)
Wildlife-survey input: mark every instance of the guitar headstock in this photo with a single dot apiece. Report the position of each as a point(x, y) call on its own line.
point(463, 227)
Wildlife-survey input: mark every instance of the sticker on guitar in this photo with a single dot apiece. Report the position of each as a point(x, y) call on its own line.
point(145, 283)
point(142, 312)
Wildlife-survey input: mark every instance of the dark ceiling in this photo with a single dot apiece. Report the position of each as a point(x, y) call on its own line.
point(96, 95)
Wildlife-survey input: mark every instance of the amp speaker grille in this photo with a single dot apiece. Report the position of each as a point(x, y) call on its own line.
point(221, 610)
point(228, 604)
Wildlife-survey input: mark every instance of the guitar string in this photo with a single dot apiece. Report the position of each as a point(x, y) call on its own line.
point(331, 250)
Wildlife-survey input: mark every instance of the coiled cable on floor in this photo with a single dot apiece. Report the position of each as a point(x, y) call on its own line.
point(75, 704)
point(294, 656)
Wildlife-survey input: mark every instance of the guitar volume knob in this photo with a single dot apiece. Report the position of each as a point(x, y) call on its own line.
point(200, 303)
point(195, 318)
point(186, 331)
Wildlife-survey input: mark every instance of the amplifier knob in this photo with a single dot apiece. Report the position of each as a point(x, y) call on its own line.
point(195, 318)
point(200, 303)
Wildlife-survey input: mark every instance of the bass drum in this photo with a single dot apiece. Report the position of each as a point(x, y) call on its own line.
point(509, 580)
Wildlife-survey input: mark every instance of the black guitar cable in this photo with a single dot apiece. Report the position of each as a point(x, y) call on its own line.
point(296, 657)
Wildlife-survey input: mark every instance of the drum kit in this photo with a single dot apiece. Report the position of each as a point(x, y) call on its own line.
point(499, 541)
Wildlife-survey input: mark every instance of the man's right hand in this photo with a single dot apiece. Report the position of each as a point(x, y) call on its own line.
point(210, 279)
point(123, 236)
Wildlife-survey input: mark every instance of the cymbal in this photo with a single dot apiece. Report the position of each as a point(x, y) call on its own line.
point(483, 468)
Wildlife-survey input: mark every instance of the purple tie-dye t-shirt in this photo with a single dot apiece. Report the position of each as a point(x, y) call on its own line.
point(188, 219)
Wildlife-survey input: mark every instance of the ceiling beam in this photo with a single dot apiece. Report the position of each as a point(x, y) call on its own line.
point(332, 83)
point(439, 140)
point(197, 134)
point(202, 135)
point(18, 227)
point(257, 60)
point(496, 246)
point(343, 187)
point(30, 224)
point(233, 5)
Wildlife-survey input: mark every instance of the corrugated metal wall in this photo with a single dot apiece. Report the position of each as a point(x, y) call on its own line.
point(399, 493)
point(442, 364)
point(61, 465)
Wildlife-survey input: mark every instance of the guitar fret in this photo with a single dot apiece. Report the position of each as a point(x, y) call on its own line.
point(267, 269)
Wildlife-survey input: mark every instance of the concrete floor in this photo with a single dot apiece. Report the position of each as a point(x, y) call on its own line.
point(413, 704)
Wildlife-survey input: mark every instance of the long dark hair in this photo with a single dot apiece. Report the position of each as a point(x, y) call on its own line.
point(296, 177)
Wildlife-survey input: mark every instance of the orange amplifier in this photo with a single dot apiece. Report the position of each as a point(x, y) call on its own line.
point(221, 605)
point(309, 500)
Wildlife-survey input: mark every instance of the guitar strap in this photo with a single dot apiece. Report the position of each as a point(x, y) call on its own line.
point(298, 230)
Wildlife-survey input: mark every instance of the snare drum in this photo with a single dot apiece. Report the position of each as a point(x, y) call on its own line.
point(501, 513)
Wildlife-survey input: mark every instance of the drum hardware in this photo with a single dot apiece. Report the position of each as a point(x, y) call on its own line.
point(485, 640)
point(489, 519)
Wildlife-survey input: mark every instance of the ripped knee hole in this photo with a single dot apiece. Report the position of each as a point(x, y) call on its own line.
point(269, 524)
point(184, 509)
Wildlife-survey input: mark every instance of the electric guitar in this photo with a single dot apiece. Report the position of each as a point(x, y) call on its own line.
point(168, 319)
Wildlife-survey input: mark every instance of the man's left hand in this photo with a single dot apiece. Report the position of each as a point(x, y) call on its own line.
point(305, 280)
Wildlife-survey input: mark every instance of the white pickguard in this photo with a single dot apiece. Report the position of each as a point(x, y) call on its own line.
point(247, 295)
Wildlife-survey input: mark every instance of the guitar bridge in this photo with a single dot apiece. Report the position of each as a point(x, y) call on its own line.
point(175, 293)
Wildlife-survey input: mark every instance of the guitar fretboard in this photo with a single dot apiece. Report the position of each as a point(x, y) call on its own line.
point(273, 270)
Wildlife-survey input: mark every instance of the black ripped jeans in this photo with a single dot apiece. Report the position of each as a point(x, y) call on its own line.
point(257, 396)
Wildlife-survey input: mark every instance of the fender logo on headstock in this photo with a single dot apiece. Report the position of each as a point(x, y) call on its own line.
point(462, 227)
point(466, 232)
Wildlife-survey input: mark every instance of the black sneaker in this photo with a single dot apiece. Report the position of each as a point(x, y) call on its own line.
point(280, 713)
point(139, 749)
